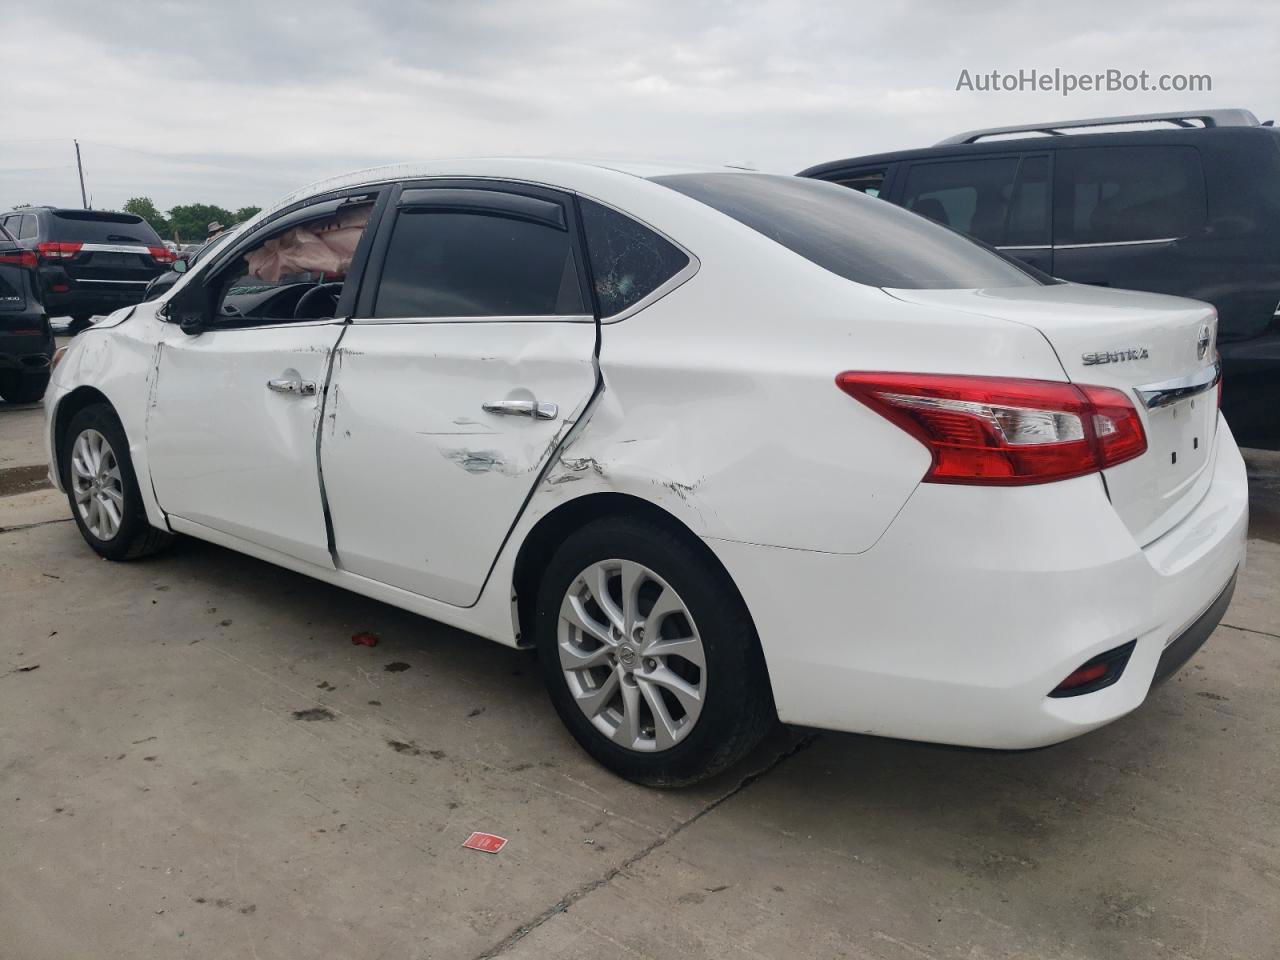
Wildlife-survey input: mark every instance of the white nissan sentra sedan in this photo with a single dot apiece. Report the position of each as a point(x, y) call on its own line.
point(725, 447)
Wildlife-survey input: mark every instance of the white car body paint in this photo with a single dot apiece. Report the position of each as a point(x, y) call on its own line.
point(884, 605)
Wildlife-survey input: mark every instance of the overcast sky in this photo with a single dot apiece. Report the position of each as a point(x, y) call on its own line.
point(238, 103)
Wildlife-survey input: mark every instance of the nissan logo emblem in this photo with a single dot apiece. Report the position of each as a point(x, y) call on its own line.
point(1202, 345)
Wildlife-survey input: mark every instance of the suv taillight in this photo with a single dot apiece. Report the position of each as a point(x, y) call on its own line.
point(162, 254)
point(20, 258)
point(57, 251)
point(1004, 431)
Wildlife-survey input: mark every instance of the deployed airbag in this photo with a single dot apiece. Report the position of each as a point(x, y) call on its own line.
point(322, 247)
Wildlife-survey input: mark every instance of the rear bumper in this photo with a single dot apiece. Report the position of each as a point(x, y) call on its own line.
point(29, 354)
point(87, 296)
point(977, 602)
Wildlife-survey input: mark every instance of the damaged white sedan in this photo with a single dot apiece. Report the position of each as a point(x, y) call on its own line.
point(725, 447)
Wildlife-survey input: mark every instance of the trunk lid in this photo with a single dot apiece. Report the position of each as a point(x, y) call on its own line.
point(1147, 345)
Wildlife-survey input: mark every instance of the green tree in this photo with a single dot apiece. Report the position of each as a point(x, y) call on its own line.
point(144, 208)
point(244, 213)
point(190, 222)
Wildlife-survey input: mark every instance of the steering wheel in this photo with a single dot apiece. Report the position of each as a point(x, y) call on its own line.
point(318, 302)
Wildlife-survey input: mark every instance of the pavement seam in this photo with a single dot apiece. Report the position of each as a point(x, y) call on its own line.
point(38, 523)
point(1261, 633)
point(569, 899)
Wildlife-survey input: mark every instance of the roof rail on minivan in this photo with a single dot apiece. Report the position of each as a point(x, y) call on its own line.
point(1208, 118)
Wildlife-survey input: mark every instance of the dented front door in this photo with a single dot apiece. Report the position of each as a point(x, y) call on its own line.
point(434, 436)
point(231, 432)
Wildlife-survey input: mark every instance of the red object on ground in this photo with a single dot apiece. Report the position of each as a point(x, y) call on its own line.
point(485, 842)
point(365, 639)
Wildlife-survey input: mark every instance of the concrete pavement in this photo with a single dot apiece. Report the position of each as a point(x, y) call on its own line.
point(196, 761)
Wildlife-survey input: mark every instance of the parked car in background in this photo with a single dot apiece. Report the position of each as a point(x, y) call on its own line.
point(90, 261)
point(186, 259)
point(723, 446)
point(1188, 204)
point(26, 339)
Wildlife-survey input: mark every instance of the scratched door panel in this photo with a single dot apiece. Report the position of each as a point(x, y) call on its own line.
point(422, 483)
point(230, 453)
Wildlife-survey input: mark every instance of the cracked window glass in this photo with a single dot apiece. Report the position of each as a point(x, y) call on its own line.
point(628, 260)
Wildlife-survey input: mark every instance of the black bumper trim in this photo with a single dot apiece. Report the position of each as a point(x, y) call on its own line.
point(1192, 639)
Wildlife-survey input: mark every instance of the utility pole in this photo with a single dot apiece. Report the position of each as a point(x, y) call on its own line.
point(79, 166)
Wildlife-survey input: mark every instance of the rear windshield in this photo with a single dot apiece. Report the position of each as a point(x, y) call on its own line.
point(853, 235)
point(93, 226)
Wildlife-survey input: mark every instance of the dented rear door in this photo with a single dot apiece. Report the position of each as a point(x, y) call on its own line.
point(471, 356)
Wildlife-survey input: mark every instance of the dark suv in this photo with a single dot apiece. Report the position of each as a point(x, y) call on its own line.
point(1187, 204)
point(90, 261)
point(26, 341)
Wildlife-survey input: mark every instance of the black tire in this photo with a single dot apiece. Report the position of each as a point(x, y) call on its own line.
point(135, 537)
point(17, 387)
point(79, 323)
point(737, 708)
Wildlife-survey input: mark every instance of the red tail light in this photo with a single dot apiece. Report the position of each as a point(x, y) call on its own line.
point(57, 251)
point(162, 254)
point(1003, 431)
point(20, 258)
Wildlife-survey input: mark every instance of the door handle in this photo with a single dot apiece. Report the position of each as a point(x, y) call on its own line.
point(303, 388)
point(521, 408)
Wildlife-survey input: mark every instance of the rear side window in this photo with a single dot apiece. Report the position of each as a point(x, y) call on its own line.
point(971, 196)
point(443, 263)
point(628, 260)
point(870, 182)
point(91, 226)
point(1124, 194)
point(854, 236)
point(28, 227)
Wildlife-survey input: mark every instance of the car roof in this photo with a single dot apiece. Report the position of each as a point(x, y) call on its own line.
point(564, 174)
point(1031, 142)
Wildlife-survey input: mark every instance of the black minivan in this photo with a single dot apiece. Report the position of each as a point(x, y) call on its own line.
point(1181, 203)
point(90, 261)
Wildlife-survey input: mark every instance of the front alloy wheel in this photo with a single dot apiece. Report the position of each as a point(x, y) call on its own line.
point(97, 485)
point(102, 489)
point(631, 655)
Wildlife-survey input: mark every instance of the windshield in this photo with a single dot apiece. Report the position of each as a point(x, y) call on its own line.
point(855, 236)
point(93, 226)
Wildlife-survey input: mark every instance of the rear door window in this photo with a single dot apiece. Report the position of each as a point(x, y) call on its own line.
point(628, 260)
point(971, 196)
point(444, 261)
point(1127, 194)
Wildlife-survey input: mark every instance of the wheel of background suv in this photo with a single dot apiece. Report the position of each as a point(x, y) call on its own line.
point(649, 654)
point(18, 387)
point(79, 323)
point(102, 488)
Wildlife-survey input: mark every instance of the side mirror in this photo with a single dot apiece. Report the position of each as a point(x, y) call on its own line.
point(189, 308)
point(179, 266)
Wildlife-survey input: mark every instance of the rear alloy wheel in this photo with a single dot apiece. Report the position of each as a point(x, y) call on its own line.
point(631, 656)
point(649, 654)
point(102, 488)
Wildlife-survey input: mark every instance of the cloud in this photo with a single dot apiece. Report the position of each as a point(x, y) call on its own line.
point(239, 102)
